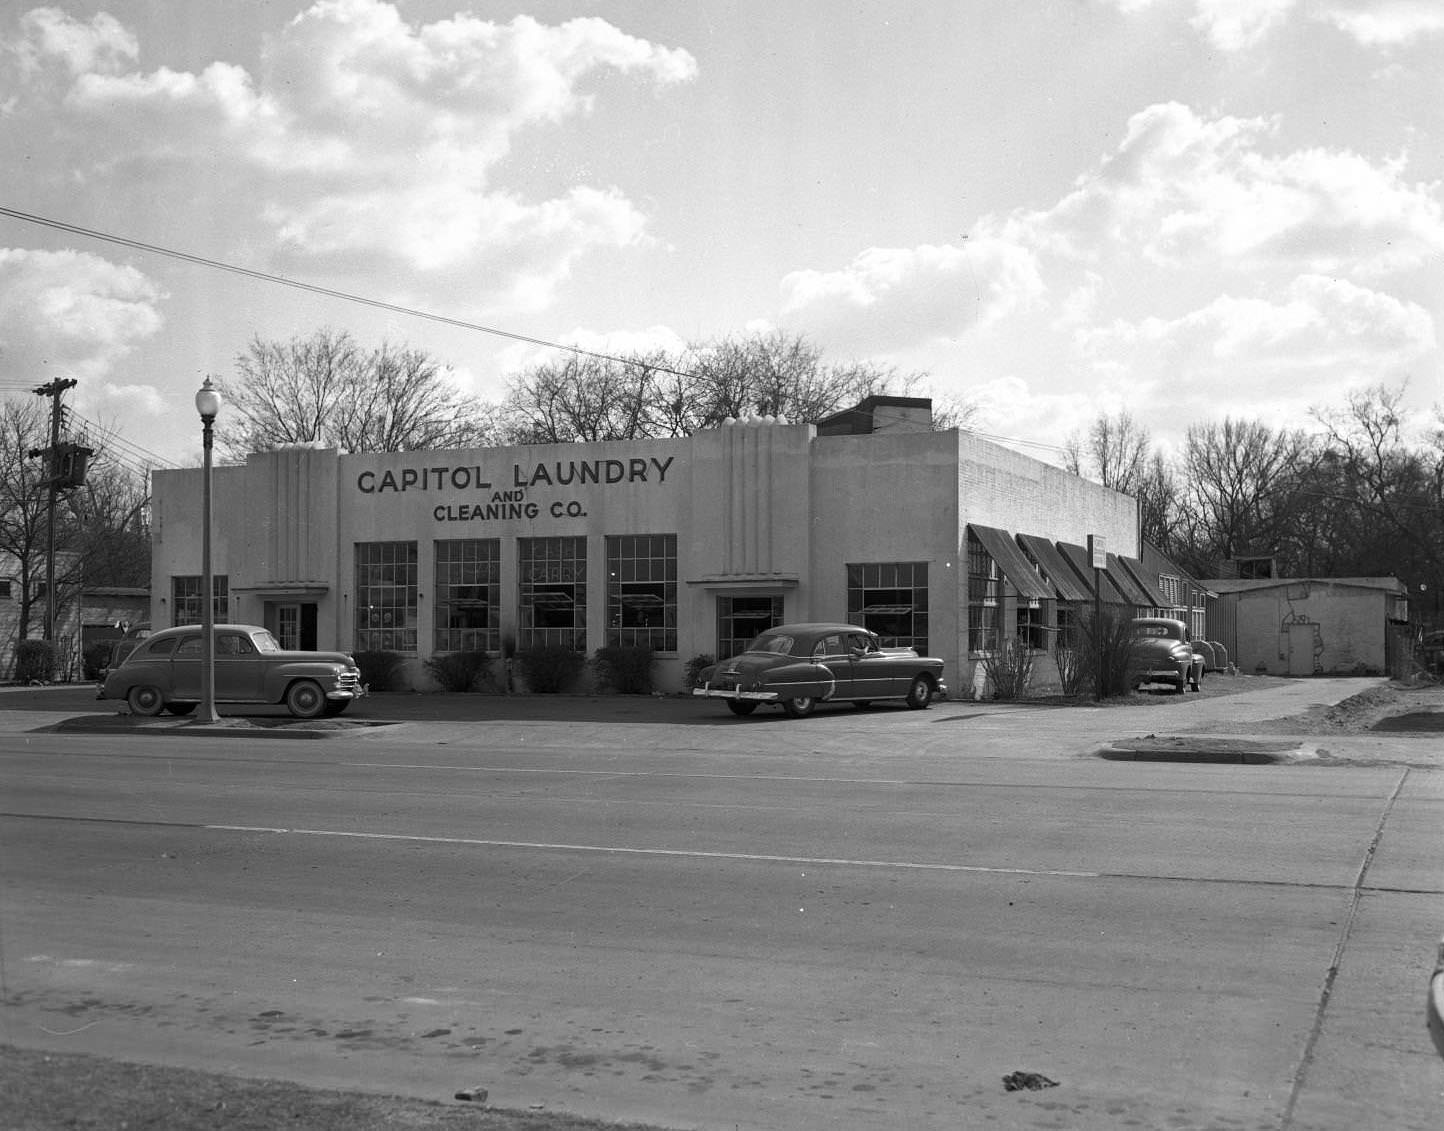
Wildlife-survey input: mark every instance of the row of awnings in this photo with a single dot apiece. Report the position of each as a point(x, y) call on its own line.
point(1069, 571)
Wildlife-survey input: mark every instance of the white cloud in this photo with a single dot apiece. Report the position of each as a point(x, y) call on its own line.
point(1234, 25)
point(1319, 325)
point(1385, 23)
point(1181, 189)
point(1238, 25)
point(72, 314)
point(367, 142)
point(899, 296)
point(49, 36)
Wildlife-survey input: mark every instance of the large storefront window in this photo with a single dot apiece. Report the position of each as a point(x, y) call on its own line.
point(985, 598)
point(552, 577)
point(185, 599)
point(468, 595)
point(386, 596)
point(890, 599)
point(740, 620)
point(642, 590)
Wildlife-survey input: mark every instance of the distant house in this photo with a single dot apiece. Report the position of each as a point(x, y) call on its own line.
point(67, 615)
point(1312, 625)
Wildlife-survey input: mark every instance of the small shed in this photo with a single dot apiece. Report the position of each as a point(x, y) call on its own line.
point(1312, 625)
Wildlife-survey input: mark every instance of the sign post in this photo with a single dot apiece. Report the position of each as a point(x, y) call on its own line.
point(1098, 557)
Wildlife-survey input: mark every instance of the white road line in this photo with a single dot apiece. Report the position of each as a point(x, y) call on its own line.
point(906, 865)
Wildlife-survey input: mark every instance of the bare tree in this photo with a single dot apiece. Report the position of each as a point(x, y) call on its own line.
point(588, 398)
point(109, 526)
point(24, 428)
point(1386, 495)
point(1113, 452)
point(585, 397)
point(101, 532)
point(1117, 452)
point(1243, 490)
point(327, 388)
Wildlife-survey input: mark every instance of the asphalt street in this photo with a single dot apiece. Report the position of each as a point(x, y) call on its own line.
point(651, 910)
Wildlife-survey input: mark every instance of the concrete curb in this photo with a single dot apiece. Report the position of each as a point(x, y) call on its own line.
point(1435, 1004)
point(226, 728)
point(1207, 749)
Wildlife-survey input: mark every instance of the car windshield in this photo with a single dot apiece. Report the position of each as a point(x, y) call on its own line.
point(265, 642)
point(773, 643)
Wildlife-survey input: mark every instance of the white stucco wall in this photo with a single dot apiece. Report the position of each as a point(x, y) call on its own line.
point(758, 508)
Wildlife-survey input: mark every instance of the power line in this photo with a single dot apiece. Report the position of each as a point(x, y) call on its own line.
point(394, 308)
point(328, 292)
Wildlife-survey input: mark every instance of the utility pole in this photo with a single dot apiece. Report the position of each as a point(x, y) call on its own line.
point(54, 390)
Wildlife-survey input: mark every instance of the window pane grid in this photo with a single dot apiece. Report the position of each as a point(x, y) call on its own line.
point(467, 611)
point(552, 590)
point(186, 605)
point(890, 599)
point(386, 604)
point(642, 591)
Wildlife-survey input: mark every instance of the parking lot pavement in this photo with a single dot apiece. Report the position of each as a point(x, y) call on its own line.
point(1151, 728)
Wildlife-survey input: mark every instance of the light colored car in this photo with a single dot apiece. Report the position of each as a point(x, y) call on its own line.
point(163, 673)
point(797, 666)
point(1162, 653)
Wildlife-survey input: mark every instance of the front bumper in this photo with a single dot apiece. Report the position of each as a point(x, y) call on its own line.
point(709, 692)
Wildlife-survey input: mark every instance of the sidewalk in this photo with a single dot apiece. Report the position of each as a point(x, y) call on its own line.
point(1211, 727)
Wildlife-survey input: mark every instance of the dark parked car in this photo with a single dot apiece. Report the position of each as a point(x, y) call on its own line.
point(797, 666)
point(163, 673)
point(123, 647)
point(1161, 653)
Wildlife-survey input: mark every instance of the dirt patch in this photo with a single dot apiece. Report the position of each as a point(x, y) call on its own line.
point(1359, 714)
point(48, 1091)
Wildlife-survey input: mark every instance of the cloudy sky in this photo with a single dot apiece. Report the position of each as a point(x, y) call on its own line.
point(1054, 208)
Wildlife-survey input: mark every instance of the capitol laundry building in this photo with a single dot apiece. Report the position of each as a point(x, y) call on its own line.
point(936, 539)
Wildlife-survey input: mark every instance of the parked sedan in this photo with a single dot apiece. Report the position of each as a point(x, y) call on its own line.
point(797, 666)
point(163, 673)
point(1162, 653)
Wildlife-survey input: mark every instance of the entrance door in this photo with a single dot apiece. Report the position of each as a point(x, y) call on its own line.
point(740, 620)
point(1301, 649)
point(296, 626)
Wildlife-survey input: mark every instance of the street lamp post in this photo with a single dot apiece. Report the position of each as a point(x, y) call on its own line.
point(208, 404)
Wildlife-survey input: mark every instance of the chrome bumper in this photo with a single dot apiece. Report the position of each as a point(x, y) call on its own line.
point(709, 692)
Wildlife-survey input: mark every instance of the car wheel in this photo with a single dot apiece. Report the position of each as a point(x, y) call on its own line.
point(180, 708)
point(305, 699)
point(145, 700)
point(920, 694)
point(334, 707)
point(800, 707)
point(1181, 685)
point(741, 706)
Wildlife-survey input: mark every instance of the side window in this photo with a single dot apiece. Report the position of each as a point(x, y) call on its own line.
point(828, 647)
point(233, 644)
point(162, 647)
point(857, 642)
point(189, 646)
